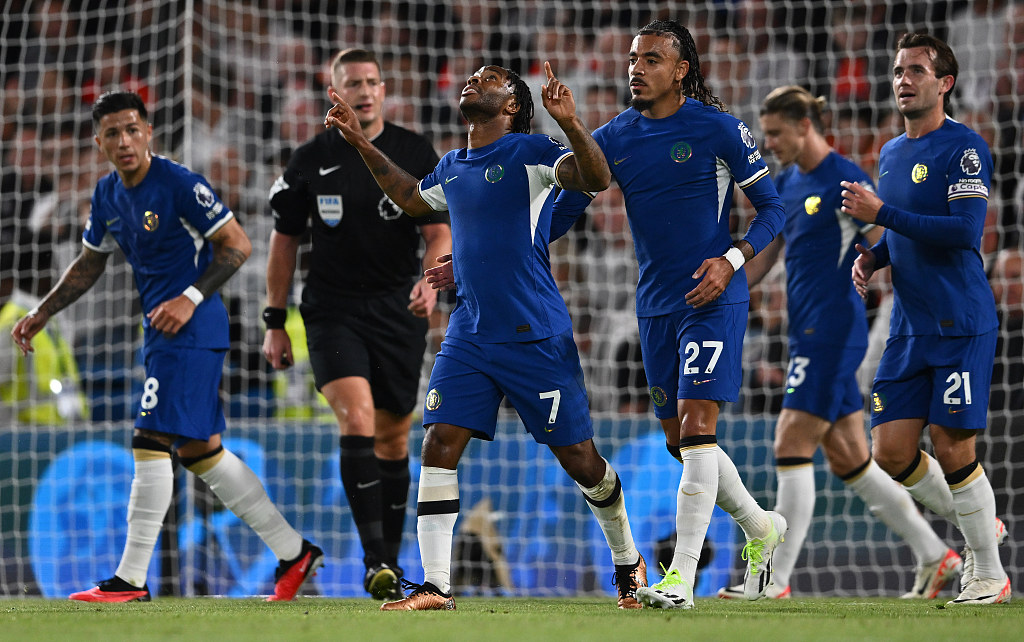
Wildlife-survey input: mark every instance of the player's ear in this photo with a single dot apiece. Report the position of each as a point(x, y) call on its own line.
point(682, 68)
point(512, 108)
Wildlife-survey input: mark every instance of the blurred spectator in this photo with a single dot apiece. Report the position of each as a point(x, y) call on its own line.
point(112, 71)
point(1007, 279)
point(26, 227)
point(980, 41)
point(766, 60)
point(764, 345)
point(856, 67)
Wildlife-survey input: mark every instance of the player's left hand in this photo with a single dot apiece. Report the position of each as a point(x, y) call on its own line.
point(422, 299)
point(171, 315)
point(714, 274)
point(860, 202)
point(557, 98)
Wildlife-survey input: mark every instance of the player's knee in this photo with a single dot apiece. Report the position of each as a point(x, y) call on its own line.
point(354, 420)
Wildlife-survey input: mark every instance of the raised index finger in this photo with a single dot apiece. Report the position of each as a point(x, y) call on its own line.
point(547, 70)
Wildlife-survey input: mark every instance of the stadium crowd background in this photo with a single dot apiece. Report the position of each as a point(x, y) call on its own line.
point(233, 87)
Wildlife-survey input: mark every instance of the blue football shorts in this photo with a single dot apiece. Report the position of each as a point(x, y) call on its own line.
point(944, 380)
point(822, 380)
point(542, 379)
point(180, 394)
point(693, 354)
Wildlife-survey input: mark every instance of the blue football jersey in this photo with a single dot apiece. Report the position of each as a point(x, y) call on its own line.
point(499, 199)
point(935, 190)
point(162, 225)
point(677, 176)
point(822, 304)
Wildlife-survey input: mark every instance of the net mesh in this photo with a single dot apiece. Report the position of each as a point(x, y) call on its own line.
point(233, 87)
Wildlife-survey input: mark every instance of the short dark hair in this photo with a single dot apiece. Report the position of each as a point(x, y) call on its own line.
point(943, 59)
point(521, 91)
point(795, 103)
point(112, 102)
point(693, 84)
point(353, 55)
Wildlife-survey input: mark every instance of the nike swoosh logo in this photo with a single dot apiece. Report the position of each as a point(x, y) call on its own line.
point(450, 179)
point(113, 220)
point(970, 513)
point(305, 565)
point(699, 492)
point(399, 506)
point(697, 383)
point(953, 412)
point(367, 484)
point(324, 171)
point(883, 173)
point(619, 160)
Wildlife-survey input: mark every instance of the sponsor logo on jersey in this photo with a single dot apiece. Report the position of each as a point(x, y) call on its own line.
point(387, 209)
point(746, 136)
point(967, 187)
point(330, 208)
point(920, 173)
point(494, 173)
point(658, 396)
point(970, 162)
point(877, 403)
point(203, 195)
point(680, 152)
point(433, 401)
point(218, 207)
point(812, 205)
point(753, 158)
point(150, 221)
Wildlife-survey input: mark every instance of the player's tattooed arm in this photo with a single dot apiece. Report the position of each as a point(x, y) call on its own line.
point(231, 247)
point(81, 275)
point(400, 186)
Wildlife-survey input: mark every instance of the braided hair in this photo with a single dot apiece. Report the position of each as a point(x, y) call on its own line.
point(693, 84)
point(521, 91)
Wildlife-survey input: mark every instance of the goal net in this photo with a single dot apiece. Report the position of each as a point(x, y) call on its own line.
point(234, 87)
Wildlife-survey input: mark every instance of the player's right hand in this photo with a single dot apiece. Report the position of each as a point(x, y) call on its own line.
point(27, 327)
point(343, 118)
point(277, 348)
point(863, 268)
point(441, 276)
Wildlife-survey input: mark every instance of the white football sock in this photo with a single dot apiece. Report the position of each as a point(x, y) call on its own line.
point(152, 487)
point(932, 491)
point(976, 509)
point(438, 487)
point(608, 503)
point(695, 500)
point(238, 488)
point(733, 498)
point(893, 506)
point(795, 502)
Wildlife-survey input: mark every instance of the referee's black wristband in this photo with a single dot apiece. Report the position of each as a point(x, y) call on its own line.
point(274, 317)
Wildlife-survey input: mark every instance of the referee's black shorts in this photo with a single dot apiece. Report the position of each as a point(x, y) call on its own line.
point(374, 337)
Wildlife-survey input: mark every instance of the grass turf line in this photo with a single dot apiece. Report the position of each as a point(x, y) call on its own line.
point(518, 619)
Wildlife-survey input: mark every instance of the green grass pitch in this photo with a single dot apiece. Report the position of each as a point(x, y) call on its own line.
point(521, 620)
